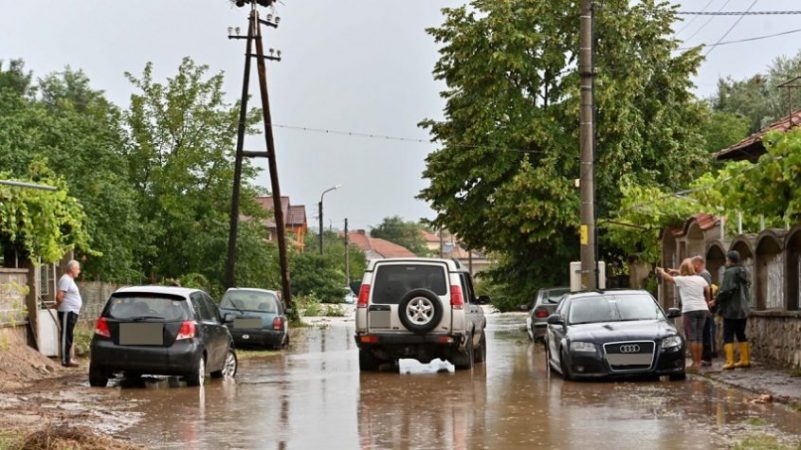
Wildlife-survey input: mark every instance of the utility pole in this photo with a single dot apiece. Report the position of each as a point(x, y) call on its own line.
point(347, 255)
point(589, 269)
point(254, 34)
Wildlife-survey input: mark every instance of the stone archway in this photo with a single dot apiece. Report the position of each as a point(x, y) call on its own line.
point(694, 238)
point(792, 255)
point(744, 244)
point(715, 261)
point(769, 275)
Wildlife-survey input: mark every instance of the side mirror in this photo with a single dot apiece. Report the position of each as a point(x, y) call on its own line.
point(228, 317)
point(555, 319)
point(672, 313)
point(484, 300)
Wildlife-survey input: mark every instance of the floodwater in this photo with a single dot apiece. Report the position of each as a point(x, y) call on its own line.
point(314, 397)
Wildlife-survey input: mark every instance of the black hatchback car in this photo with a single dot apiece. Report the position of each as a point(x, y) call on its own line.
point(161, 331)
point(614, 333)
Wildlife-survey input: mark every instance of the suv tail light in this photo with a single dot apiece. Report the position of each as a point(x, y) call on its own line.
point(541, 313)
point(364, 294)
point(457, 300)
point(278, 324)
point(187, 330)
point(101, 327)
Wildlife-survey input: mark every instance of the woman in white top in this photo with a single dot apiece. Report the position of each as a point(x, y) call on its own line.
point(693, 291)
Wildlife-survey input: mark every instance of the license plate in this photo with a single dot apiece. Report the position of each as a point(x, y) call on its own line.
point(141, 334)
point(247, 322)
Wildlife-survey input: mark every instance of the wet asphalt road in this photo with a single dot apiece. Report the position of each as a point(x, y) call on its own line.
point(313, 397)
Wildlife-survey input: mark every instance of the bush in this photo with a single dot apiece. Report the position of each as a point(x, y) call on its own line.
point(82, 338)
point(333, 311)
point(308, 305)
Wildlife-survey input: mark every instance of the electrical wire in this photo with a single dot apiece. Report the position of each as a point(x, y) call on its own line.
point(738, 41)
point(692, 19)
point(707, 22)
point(737, 13)
point(712, 47)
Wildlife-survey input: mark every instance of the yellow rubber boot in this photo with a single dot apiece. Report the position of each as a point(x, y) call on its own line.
point(728, 349)
point(745, 356)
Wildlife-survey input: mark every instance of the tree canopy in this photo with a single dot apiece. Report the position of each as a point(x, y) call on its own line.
point(408, 234)
point(502, 179)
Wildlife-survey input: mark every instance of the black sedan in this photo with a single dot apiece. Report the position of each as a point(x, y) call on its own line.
point(159, 330)
point(614, 333)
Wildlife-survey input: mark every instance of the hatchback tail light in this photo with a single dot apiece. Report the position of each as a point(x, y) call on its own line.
point(101, 327)
point(187, 330)
point(364, 295)
point(457, 299)
point(541, 313)
point(278, 324)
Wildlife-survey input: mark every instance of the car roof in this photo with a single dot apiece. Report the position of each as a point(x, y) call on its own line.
point(453, 266)
point(266, 291)
point(594, 293)
point(154, 289)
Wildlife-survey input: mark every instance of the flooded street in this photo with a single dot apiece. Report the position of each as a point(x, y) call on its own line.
point(314, 397)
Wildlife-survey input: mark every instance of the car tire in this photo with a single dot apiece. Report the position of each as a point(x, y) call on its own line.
point(481, 354)
point(97, 378)
point(464, 360)
point(368, 362)
point(678, 376)
point(230, 366)
point(420, 298)
point(198, 376)
point(566, 374)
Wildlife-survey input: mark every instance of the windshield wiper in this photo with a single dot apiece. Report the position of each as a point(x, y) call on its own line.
point(141, 318)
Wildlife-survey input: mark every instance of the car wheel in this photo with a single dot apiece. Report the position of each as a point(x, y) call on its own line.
point(97, 378)
point(481, 353)
point(566, 374)
point(678, 376)
point(368, 362)
point(464, 359)
point(198, 376)
point(420, 310)
point(229, 368)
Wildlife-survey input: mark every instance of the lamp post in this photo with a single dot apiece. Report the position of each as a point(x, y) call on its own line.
point(320, 212)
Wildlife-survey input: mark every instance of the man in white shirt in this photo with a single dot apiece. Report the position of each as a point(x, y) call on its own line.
point(68, 301)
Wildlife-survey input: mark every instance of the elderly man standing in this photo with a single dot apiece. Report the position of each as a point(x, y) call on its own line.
point(68, 301)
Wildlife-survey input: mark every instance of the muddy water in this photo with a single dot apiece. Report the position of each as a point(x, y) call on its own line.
point(314, 397)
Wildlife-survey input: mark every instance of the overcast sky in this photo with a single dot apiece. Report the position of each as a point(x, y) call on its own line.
point(349, 65)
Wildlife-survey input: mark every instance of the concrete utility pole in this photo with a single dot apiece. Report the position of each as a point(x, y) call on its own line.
point(589, 269)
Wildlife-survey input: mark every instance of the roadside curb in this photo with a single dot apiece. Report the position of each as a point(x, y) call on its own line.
point(714, 375)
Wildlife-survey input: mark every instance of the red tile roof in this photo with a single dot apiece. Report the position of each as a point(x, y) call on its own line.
point(382, 247)
point(751, 148)
point(294, 215)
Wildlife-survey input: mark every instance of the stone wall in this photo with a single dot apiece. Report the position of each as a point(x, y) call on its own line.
point(776, 336)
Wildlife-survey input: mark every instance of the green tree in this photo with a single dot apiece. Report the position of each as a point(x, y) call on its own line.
point(724, 129)
point(181, 136)
point(503, 177)
point(407, 234)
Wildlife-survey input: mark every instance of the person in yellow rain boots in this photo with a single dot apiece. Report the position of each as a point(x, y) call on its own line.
point(732, 300)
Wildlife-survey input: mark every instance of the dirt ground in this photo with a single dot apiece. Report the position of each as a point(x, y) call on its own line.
point(46, 406)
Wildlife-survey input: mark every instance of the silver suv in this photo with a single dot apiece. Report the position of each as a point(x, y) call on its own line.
point(419, 308)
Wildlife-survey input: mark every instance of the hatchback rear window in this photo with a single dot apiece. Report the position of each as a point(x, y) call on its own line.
point(392, 282)
point(555, 295)
point(147, 307)
point(250, 301)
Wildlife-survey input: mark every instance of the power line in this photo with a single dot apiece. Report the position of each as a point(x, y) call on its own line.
point(707, 22)
point(736, 13)
point(692, 19)
point(755, 38)
point(730, 28)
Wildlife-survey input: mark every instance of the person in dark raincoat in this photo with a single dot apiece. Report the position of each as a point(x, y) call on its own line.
point(732, 302)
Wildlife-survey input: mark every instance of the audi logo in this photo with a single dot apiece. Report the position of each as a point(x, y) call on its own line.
point(630, 348)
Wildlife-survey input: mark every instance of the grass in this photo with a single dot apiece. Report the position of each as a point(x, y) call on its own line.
point(82, 338)
point(756, 421)
point(762, 441)
point(10, 440)
point(796, 372)
point(255, 354)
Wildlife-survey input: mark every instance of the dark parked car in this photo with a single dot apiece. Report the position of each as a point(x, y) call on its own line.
point(255, 317)
point(544, 305)
point(614, 333)
point(161, 331)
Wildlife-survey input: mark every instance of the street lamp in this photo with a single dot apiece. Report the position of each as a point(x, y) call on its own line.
point(320, 210)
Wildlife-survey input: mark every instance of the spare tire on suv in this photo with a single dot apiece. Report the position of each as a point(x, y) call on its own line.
point(420, 310)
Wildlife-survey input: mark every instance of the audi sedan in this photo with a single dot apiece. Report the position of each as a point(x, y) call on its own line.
point(614, 333)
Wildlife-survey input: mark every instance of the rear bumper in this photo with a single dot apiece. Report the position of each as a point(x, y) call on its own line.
point(258, 337)
point(539, 329)
point(423, 347)
point(178, 359)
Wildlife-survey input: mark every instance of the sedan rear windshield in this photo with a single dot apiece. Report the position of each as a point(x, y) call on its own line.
point(392, 282)
point(250, 301)
point(614, 308)
point(147, 307)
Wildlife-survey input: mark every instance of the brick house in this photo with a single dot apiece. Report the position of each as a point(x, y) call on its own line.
point(295, 222)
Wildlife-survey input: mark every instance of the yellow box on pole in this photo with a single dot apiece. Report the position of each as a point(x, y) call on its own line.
point(585, 234)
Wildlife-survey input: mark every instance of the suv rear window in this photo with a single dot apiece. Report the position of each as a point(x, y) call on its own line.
point(152, 307)
point(392, 282)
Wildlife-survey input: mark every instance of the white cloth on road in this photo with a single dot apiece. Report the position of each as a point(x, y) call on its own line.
point(691, 290)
